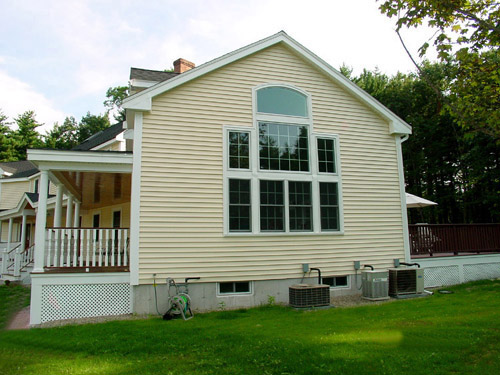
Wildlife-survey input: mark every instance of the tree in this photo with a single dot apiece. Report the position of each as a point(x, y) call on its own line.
point(467, 38)
point(90, 125)
point(6, 151)
point(113, 103)
point(63, 137)
point(26, 136)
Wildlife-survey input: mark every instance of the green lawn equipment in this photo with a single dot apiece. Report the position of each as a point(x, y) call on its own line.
point(180, 302)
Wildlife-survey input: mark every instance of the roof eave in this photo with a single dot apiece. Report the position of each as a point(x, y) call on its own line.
point(142, 101)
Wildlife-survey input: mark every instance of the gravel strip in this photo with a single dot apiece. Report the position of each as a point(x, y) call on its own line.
point(355, 300)
point(92, 320)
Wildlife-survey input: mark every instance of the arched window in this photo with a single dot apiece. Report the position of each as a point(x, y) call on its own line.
point(280, 100)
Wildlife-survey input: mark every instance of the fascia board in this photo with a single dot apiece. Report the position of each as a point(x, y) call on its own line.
point(20, 179)
point(142, 101)
point(105, 157)
point(104, 161)
point(397, 125)
point(142, 83)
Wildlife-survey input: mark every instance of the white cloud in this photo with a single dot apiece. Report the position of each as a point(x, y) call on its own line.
point(17, 97)
point(75, 50)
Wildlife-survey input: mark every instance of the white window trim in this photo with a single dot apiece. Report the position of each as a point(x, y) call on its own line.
point(348, 286)
point(255, 175)
point(235, 294)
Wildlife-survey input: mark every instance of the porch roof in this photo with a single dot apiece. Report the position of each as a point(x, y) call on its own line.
point(82, 161)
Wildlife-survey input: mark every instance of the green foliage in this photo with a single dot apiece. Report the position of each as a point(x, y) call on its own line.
point(6, 149)
point(26, 136)
point(63, 137)
point(114, 99)
point(459, 170)
point(467, 39)
point(90, 125)
point(441, 334)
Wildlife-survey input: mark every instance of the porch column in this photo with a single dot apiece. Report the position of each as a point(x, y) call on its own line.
point(9, 238)
point(59, 204)
point(20, 250)
point(76, 219)
point(5, 255)
point(41, 222)
point(69, 211)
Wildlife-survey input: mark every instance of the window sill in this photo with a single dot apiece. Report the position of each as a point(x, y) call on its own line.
point(283, 234)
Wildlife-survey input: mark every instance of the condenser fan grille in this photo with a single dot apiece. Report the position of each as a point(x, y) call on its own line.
point(303, 295)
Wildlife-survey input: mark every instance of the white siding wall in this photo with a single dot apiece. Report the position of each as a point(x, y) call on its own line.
point(181, 222)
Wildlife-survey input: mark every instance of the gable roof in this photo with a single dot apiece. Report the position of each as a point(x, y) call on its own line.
point(100, 138)
point(142, 101)
point(151, 75)
point(19, 169)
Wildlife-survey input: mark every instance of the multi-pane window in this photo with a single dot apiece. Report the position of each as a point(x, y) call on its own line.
point(326, 155)
point(283, 147)
point(272, 206)
point(234, 287)
point(329, 206)
point(239, 150)
point(239, 205)
point(335, 281)
point(300, 205)
point(293, 182)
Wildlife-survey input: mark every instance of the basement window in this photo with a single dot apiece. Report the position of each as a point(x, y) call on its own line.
point(336, 281)
point(234, 287)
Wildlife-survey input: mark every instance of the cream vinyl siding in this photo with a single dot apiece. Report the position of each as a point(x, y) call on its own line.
point(12, 193)
point(181, 217)
point(107, 216)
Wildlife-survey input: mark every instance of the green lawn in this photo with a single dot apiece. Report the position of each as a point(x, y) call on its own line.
point(12, 299)
point(443, 334)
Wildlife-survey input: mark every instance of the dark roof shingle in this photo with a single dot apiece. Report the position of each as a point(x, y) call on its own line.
point(151, 75)
point(100, 138)
point(22, 168)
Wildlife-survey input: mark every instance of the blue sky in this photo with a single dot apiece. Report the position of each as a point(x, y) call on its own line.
point(59, 57)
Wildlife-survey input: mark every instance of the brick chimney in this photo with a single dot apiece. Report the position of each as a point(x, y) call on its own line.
point(181, 65)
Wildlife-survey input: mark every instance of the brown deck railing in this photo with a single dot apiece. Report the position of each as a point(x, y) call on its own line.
point(430, 239)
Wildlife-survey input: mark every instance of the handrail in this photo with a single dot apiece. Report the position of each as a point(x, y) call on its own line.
point(14, 249)
point(27, 262)
point(114, 228)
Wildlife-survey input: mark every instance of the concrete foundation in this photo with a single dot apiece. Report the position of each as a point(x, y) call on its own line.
point(204, 296)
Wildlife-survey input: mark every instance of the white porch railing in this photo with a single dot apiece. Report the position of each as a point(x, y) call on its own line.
point(8, 257)
point(86, 247)
point(27, 257)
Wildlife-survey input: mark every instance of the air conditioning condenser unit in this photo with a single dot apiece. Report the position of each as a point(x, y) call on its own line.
point(375, 284)
point(406, 281)
point(305, 295)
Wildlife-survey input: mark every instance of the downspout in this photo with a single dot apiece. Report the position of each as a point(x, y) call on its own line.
point(402, 193)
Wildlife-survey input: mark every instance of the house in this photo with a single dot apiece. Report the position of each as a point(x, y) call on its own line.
point(19, 187)
point(238, 171)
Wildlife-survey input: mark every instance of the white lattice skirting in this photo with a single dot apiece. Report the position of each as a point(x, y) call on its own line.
point(84, 301)
point(81, 296)
point(456, 270)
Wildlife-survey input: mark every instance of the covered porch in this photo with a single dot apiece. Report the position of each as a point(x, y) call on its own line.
point(16, 237)
point(90, 234)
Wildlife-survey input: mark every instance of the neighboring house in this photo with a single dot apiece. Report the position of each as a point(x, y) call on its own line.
point(19, 188)
point(238, 172)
